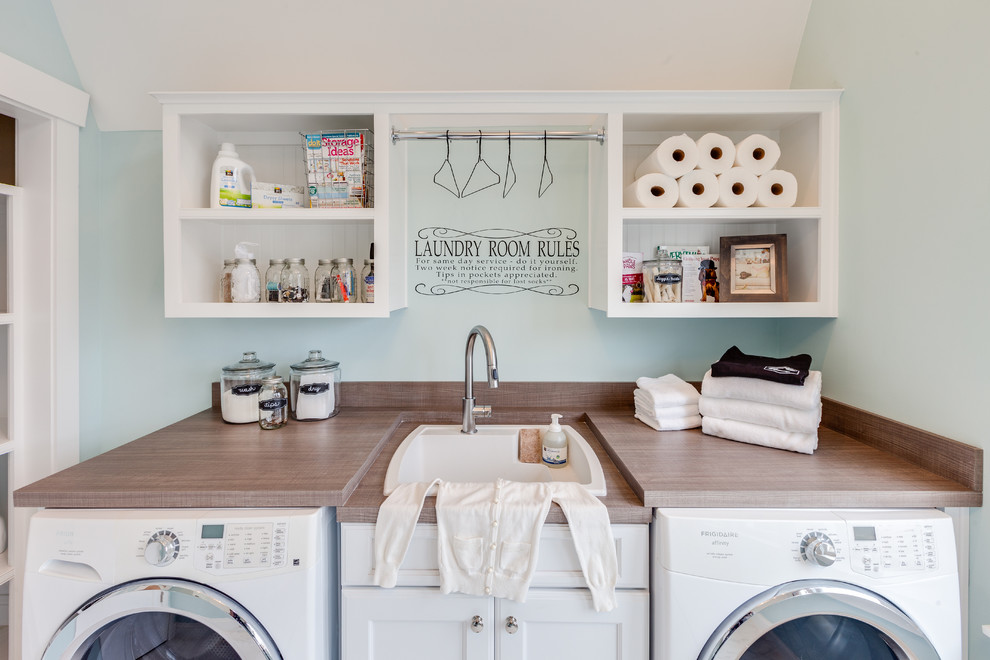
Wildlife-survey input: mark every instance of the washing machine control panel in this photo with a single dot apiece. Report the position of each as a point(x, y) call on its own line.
point(242, 546)
point(892, 549)
point(162, 548)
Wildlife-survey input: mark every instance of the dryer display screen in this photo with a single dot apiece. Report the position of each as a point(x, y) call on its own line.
point(864, 533)
point(212, 532)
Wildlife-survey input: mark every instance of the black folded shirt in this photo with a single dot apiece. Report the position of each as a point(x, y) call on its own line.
point(790, 370)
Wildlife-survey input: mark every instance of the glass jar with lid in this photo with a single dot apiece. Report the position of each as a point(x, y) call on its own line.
point(295, 281)
point(368, 281)
point(314, 388)
point(273, 404)
point(228, 267)
point(344, 280)
point(662, 278)
point(240, 384)
point(323, 281)
point(273, 280)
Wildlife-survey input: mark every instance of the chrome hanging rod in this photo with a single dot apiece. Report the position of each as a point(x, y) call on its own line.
point(598, 136)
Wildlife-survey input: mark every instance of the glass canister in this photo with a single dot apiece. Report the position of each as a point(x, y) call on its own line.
point(662, 278)
point(344, 280)
point(245, 282)
point(273, 404)
point(314, 388)
point(273, 281)
point(295, 281)
point(323, 281)
point(228, 267)
point(368, 281)
point(240, 384)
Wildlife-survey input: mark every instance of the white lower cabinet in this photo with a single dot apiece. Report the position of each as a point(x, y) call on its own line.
point(415, 620)
point(413, 623)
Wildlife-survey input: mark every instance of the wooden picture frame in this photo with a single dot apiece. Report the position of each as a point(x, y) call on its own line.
point(754, 268)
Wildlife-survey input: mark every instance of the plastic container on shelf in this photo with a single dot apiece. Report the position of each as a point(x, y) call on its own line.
point(368, 281)
point(240, 384)
point(314, 388)
point(230, 180)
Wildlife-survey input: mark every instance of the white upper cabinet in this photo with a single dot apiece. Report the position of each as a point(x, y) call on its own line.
point(266, 127)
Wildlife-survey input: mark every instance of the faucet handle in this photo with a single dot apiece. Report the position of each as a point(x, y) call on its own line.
point(482, 411)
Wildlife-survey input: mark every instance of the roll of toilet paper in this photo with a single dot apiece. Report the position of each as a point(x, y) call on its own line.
point(654, 190)
point(716, 152)
point(776, 189)
point(757, 153)
point(675, 156)
point(737, 188)
point(698, 189)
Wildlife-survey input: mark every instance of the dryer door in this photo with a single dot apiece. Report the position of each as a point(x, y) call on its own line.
point(152, 619)
point(818, 620)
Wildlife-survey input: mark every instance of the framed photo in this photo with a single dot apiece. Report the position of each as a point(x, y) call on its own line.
point(754, 268)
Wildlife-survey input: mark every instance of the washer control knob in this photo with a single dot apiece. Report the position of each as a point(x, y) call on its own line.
point(818, 548)
point(162, 548)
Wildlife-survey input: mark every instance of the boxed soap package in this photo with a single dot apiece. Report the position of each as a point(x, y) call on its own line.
point(338, 165)
point(277, 196)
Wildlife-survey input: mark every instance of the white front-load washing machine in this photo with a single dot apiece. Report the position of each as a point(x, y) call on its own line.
point(179, 583)
point(787, 584)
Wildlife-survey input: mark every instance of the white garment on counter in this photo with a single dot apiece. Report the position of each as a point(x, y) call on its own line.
point(668, 423)
point(644, 403)
point(754, 434)
point(488, 536)
point(668, 390)
point(803, 397)
point(780, 417)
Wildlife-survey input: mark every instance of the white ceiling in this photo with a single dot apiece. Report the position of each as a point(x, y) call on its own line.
point(125, 49)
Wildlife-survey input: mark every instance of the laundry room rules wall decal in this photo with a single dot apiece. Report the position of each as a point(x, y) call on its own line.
point(496, 261)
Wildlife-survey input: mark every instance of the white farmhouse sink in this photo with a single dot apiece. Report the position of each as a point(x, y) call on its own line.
point(443, 452)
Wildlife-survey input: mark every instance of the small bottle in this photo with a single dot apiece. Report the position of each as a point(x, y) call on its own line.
point(323, 282)
point(295, 281)
point(554, 444)
point(273, 282)
point(368, 281)
point(343, 278)
point(228, 267)
point(273, 404)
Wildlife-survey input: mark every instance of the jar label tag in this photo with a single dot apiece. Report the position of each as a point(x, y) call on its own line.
point(246, 390)
point(314, 388)
point(273, 404)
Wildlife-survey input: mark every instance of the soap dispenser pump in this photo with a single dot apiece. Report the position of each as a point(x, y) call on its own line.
point(554, 444)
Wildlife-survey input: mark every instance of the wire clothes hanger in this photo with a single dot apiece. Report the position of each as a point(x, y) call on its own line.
point(510, 171)
point(480, 184)
point(447, 170)
point(546, 168)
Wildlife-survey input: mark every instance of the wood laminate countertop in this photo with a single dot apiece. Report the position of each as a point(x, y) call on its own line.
point(862, 460)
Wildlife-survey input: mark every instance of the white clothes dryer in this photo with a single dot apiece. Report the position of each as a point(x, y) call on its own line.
point(748, 584)
point(180, 583)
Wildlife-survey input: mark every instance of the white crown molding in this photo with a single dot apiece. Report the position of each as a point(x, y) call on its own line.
point(40, 93)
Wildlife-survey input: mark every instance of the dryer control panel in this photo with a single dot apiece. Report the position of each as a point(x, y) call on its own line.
point(240, 546)
point(890, 549)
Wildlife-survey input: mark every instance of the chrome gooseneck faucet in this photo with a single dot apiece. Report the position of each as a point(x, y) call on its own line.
point(471, 410)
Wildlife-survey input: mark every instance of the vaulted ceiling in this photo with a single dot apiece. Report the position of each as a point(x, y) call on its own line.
point(123, 49)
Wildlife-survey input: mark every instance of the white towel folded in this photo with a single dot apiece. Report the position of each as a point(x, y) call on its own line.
point(644, 403)
point(802, 397)
point(754, 434)
point(668, 390)
point(764, 414)
point(669, 424)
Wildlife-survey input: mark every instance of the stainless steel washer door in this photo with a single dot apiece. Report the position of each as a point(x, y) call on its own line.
point(818, 620)
point(166, 619)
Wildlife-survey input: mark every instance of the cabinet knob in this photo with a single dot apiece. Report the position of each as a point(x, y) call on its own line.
point(477, 624)
point(511, 625)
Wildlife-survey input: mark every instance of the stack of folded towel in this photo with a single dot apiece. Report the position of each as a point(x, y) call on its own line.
point(774, 402)
point(667, 403)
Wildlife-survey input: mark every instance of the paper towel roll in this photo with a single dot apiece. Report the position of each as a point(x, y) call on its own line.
point(757, 153)
point(776, 189)
point(655, 190)
point(675, 156)
point(715, 152)
point(698, 189)
point(737, 188)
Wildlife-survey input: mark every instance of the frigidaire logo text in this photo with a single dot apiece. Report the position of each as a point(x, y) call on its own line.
point(721, 535)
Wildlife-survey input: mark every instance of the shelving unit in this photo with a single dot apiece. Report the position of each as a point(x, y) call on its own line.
point(265, 128)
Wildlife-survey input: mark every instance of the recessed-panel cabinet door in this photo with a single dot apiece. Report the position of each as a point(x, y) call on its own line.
point(415, 624)
point(562, 623)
